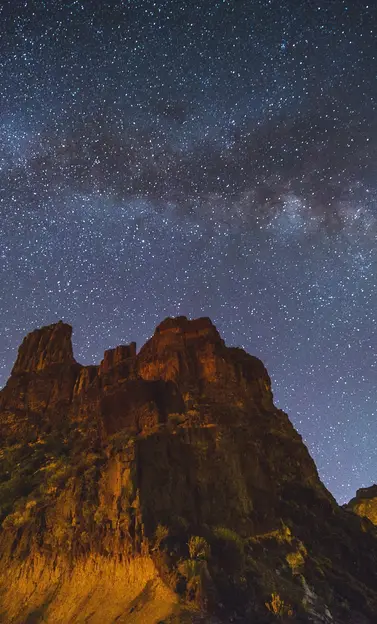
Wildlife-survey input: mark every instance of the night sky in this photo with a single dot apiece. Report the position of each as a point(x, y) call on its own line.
point(207, 159)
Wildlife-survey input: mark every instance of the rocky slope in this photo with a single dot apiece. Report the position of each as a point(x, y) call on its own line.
point(365, 503)
point(165, 486)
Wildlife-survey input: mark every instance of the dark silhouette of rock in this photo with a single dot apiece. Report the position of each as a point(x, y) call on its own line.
point(165, 484)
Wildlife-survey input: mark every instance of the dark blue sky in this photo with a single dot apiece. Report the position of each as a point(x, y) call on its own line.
point(201, 158)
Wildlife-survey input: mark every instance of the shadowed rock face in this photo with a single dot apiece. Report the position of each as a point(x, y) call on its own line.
point(167, 480)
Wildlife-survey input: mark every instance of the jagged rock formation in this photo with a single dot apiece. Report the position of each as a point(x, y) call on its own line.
point(44, 347)
point(365, 503)
point(165, 486)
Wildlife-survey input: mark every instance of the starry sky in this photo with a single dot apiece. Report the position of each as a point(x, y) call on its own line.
point(213, 158)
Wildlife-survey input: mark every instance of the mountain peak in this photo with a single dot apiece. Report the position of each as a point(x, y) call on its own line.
point(168, 481)
point(183, 325)
point(43, 347)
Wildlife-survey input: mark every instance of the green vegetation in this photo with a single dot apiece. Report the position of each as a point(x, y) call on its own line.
point(230, 548)
point(198, 548)
point(34, 472)
point(193, 568)
point(161, 534)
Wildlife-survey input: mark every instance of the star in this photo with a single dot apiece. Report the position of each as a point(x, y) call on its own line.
point(157, 159)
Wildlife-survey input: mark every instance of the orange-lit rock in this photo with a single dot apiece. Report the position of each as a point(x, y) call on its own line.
point(165, 484)
point(44, 347)
point(365, 503)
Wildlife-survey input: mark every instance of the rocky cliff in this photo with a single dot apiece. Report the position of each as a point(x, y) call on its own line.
point(365, 503)
point(165, 486)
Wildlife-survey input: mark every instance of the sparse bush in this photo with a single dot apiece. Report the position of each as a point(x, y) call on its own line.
point(198, 547)
point(278, 607)
point(189, 568)
point(176, 419)
point(296, 559)
point(161, 533)
point(283, 535)
point(227, 535)
point(119, 441)
point(230, 548)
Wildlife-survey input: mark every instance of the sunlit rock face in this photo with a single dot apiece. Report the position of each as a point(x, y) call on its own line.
point(164, 485)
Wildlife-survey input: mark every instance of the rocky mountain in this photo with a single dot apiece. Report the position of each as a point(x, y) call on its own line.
point(365, 503)
point(164, 486)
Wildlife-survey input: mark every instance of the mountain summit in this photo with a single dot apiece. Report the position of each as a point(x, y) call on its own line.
point(165, 486)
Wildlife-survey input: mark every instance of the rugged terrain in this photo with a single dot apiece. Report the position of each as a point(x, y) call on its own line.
point(165, 486)
point(365, 503)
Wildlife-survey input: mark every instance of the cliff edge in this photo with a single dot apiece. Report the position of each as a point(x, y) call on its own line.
point(165, 486)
